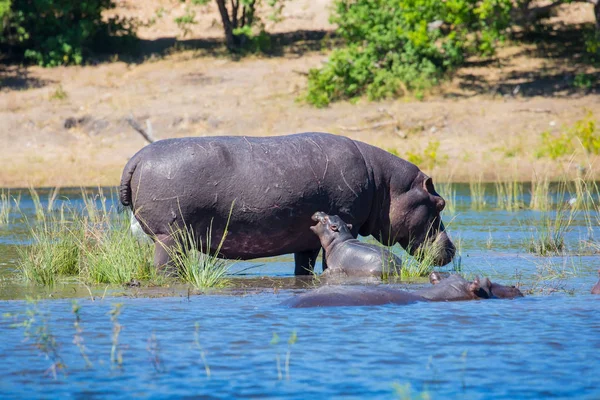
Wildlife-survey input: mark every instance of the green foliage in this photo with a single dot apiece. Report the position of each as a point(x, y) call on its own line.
point(185, 21)
point(509, 195)
point(195, 262)
point(429, 158)
point(399, 46)
point(548, 236)
point(555, 146)
point(584, 81)
point(59, 32)
point(584, 132)
point(113, 255)
point(59, 94)
point(54, 252)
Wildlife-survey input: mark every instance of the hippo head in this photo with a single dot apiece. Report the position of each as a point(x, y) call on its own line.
point(454, 288)
point(415, 222)
point(329, 227)
point(485, 289)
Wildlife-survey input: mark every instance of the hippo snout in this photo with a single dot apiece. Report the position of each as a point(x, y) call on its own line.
point(446, 249)
point(443, 249)
point(318, 216)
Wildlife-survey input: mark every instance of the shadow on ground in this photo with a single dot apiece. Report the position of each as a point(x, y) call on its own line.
point(16, 77)
point(294, 43)
point(573, 71)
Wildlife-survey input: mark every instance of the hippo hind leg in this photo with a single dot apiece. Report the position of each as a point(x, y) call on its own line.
point(163, 244)
point(305, 262)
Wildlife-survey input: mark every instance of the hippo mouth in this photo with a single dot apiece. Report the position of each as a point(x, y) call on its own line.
point(441, 250)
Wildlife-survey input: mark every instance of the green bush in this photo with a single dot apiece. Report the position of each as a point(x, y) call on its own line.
point(584, 132)
point(400, 46)
point(59, 32)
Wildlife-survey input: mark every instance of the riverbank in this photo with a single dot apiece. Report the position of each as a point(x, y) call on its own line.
point(67, 126)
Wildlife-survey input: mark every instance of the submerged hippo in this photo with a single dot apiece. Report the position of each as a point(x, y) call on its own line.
point(263, 191)
point(346, 255)
point(596, 288)
point(493, 290)
point(452, 289)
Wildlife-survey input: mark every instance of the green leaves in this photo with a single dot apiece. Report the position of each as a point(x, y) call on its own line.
point(58, 32)
point(395, 47)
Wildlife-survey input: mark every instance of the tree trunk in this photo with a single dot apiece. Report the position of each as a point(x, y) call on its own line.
point(227, 25)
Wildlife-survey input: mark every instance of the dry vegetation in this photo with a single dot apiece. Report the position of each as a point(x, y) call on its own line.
point(487, 120)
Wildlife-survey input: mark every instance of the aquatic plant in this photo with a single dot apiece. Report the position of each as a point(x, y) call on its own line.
point(94, 245)
point(275, 341)
point(509, 195)
point(37, 330)
point(111, 254)
point(404, 392)
point(5, 207)
point(421, 263)
point(548, 236)
point(448, 192)
point(37, 204)
point(116, 355)
point(197, 344)
point(291, 341)
point(195, 260)
point(540, 193)
point(552, 275)
point(477, 189)
point(153, 348)
point(54, 252)
point(78, 336)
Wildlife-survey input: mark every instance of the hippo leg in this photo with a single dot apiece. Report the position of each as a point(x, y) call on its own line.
point(305, 262)
point(324, 261)
point(162, 259)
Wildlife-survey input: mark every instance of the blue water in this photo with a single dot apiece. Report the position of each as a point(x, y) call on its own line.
point(546, 345)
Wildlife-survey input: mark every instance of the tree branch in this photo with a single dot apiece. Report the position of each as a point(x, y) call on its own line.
point(146, 133)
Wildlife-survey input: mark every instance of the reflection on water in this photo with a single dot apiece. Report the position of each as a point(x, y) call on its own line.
point(536, 347)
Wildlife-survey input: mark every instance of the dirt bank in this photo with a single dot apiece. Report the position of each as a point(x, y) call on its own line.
point(66, 126)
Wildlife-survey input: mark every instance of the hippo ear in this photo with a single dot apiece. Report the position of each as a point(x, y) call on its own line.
point(428, 186)
point(349, 226)
point(475, 285)
point(434, 278)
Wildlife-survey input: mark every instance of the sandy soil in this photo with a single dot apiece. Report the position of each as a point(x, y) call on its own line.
point(488, 120)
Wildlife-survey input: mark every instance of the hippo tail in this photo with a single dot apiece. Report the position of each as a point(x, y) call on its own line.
point(125, 187)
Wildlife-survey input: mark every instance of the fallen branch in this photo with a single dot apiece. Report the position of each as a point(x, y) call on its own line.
point(146, 133)
point(364, 128)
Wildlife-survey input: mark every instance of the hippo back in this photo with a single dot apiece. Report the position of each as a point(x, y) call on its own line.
point(267, 188)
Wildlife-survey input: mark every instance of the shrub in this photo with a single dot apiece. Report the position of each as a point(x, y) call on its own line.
point(429, 158)
point(400, 46)
point(583, 132)
point(59, 32)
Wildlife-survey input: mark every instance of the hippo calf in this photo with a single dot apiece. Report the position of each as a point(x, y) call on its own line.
point(255, 195)
point(452, 289)
point(596, 288)
point(345, 255)
point(492, 290)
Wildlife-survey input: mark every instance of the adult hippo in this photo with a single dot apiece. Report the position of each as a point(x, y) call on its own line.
point(264, 191)
point(493, 290)
point(346, 255)
point(596, 288)
point(345, 295)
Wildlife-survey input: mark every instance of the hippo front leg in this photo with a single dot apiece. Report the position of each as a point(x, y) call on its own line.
point(163, 248)
point(324, 260)
point(305, 262)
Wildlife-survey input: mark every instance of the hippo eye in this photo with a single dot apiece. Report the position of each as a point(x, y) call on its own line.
point(334, 228)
